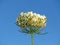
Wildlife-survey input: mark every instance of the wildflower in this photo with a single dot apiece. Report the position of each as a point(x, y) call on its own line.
point(31, 23)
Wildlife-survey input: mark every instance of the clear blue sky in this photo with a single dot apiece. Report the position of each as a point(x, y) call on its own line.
point(9, 11)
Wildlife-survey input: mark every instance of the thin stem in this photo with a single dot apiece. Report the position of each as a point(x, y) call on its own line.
point(32, 37)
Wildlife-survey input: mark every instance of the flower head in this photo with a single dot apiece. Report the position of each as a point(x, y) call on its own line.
point(31, 20)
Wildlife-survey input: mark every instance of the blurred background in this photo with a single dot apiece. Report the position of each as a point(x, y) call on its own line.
point(10, 10)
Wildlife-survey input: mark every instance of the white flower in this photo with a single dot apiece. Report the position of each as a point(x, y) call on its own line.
point(31, 19)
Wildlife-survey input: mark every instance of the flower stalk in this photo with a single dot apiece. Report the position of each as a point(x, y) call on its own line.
point(32, 37)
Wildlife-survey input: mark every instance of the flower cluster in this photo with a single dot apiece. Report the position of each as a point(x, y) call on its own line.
point(31, 22)
point(31, 19)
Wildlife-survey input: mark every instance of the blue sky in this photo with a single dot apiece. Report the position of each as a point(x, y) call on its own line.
point(10, 10)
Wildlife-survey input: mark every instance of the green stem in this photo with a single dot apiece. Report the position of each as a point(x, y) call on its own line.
point(32, 37)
